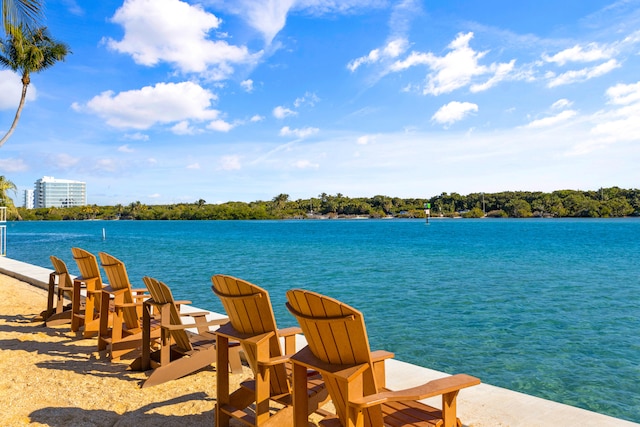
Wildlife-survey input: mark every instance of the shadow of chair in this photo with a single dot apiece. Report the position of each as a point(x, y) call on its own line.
point(91, 280)
point(338, 348)
point(181, 351)
point(252, 323)
point(123, 335)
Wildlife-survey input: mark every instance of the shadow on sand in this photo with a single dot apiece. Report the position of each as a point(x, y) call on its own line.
point(145, 416)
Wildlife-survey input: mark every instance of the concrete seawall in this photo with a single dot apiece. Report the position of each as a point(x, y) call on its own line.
point(481, 406)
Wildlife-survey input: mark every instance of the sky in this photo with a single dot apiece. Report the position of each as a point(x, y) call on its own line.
point(169, 101)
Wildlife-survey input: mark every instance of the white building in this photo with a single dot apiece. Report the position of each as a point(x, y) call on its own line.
point(59, 193)
point(28, 199)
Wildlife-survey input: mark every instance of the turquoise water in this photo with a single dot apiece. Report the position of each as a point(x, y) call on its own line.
point(546, 307)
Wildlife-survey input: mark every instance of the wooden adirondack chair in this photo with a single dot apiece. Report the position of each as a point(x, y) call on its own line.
point(91, 280)
point(252, 323)
point(124, 335)
point(57, 313)
point(338, 348)
point(181, 352)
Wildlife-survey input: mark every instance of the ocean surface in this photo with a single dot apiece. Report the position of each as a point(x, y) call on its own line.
point(548, 307)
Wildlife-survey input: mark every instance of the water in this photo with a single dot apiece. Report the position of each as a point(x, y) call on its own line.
point(546, 307)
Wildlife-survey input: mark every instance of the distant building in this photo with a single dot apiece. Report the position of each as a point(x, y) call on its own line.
point(59, 193)
point(28, 199)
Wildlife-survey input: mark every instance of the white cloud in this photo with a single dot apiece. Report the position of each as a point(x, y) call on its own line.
point(619, 124)
point(11, 90)
point(306, 164)
point(282, 112)
point(194, 166)
point(176, 32)
point(184, 128)
point(106, 165)
point(13, 165)
point(162, 103)
point(621, 94)
point(561, 104)
point(268, 17)
point(299, 133)
point(582, 75)
point(256, 118)
point(125, 149)
point(553, 120)
point(309, 99)
point(453, 112)
point(500, 73)
point(137, 136)
point(592, 52)
point(220, 126)
point(154, 196)
point(64, 160)
point(247, 85)
point(391, 50)
point(456, 69)
point(229, 163)
point(366, 139)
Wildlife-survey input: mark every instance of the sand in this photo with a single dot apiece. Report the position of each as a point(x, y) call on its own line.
point(51, 376)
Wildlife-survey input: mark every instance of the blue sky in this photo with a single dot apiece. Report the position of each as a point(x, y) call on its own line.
point(168, 101)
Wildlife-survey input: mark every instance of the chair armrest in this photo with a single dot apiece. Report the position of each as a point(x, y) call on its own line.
point(113, 292)
point(380, 355)
point(137, 297)
point(128, 304)
point(202, 314)
point(433, 388)
point(182, 302)
point(273, 361)
point(214, 322)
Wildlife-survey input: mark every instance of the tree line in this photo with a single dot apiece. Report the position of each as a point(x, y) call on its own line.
point(603, 203)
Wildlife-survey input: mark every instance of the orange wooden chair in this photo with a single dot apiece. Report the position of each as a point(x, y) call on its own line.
point(91, 281)
point(181, 351)
point(252, 323)
point(123, 335)
point(60, 285)
point(338, 348)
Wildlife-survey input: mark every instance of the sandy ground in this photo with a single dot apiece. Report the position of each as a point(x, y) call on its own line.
point(49, 376)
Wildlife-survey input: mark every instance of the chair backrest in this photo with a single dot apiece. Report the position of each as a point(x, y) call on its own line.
point(87, 264)
point(61, 270)
point(250, 313)
point(336, 335)
point(119, 280)
point(161, 294)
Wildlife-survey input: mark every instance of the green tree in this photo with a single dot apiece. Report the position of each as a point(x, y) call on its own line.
point(518, 208)
point(474, 213)
point(5, 187)
point(20, 12)
point(280, 201)
point(26, 52)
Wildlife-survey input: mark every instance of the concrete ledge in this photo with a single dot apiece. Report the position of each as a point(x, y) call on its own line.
point(29, 273)
point(480, 406)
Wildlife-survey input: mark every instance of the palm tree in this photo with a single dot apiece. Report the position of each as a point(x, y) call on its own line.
point(20, 12)
point(29, 52)
point(5, 186)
